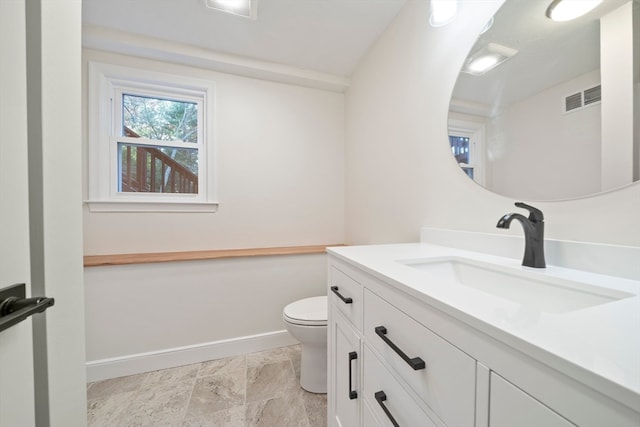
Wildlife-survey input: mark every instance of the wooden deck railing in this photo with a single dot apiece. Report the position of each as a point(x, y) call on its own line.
point(153, 171)
point(141, 174)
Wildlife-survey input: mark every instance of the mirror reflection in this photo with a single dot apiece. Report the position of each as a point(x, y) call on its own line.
point(544, 109)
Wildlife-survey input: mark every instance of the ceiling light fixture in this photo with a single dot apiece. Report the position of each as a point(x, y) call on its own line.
point(487, 59)
point(566, 10)
point(442, 12)
point(243, 8)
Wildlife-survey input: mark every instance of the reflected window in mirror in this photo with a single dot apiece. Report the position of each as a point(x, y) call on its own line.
point(460, 150)
point(466, 140)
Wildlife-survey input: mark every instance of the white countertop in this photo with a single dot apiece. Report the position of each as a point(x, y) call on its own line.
point(600, 344)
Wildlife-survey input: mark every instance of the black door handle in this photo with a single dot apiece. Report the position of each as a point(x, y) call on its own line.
point(13, 304)
point(416, 363)
point(381, 397)
point(352, 393)
point(347, 300)
point(14, 307)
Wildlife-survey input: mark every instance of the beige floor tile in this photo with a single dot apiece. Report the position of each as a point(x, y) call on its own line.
point(316, 406)
point(231, 417)
point(222, 366)
point(103, 412)
point(258, 389)
point(268, 356)
point(217, 392)
point(294, 351)
point(162, 405)
point(181, 373)
point(102, 389)
point(286, 410)
point(270, 381)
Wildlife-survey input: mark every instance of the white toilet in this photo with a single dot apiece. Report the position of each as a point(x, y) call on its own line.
point(306, 320)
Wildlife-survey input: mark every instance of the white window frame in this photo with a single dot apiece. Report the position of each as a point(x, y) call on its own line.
point(106, 83)
point(475, 132)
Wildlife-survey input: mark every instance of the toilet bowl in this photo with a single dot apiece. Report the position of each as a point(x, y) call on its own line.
point(306, 320)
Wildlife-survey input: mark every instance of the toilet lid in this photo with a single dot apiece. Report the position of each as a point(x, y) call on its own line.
point(308, 311)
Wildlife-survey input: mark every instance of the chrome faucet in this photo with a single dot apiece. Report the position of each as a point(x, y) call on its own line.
point(533, 234)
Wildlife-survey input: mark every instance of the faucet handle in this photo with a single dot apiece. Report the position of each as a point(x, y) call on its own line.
point(535, 214)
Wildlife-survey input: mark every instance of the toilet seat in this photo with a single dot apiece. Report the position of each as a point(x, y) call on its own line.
point(307, 312)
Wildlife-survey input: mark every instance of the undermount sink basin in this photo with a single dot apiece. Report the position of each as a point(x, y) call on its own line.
point(535, 290)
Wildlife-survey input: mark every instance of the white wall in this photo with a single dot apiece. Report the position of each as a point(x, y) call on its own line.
point(280, 175)
point(135, 309)
point(279, 172)
point(616, 57)
point(537, 151)
point(399, 169)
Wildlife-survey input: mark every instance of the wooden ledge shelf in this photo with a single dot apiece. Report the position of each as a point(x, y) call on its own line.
point(148, 258)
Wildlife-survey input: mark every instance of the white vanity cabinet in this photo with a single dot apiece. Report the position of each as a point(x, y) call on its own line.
point(438, 369)
point(344, 350)
point(510, 406)
point(445, 378)
point(389, 401)
point(345, 372)
point(370, 382)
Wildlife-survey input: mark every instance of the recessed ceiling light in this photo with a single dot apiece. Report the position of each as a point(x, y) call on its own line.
point(244, 8)
point(442, 12)
point(487, 59)
point(566, 10)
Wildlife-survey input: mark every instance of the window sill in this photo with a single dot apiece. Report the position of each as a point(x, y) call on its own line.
point(151, 206)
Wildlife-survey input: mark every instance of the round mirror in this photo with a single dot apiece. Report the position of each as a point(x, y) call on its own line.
point(544, 109)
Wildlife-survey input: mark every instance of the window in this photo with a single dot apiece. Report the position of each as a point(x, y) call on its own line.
point(460, 149)
point(150, 141)
point(467, 146)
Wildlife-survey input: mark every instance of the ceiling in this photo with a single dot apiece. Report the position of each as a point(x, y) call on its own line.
point(327, 36)
point(549, 53)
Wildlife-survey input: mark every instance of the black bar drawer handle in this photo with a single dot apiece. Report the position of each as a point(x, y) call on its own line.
point(352, 393)
point(347, 300)
point(380, 398)
point(416, 363)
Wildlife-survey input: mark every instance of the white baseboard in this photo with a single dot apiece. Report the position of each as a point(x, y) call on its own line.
point(103, 369)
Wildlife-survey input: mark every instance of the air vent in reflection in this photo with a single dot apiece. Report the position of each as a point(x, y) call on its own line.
point(581, 99)
point(572, 102)
point(592, 95)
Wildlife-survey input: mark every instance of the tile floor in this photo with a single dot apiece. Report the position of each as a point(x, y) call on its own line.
point(258, 389)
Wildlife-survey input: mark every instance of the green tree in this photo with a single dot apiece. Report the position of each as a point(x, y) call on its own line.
point(164, 120)
point(161, 120)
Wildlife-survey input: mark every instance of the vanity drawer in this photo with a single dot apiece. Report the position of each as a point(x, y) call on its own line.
point(511, 406)
point(398, 403)
point(368, 419)
point(446, 383)
point(346, 294)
